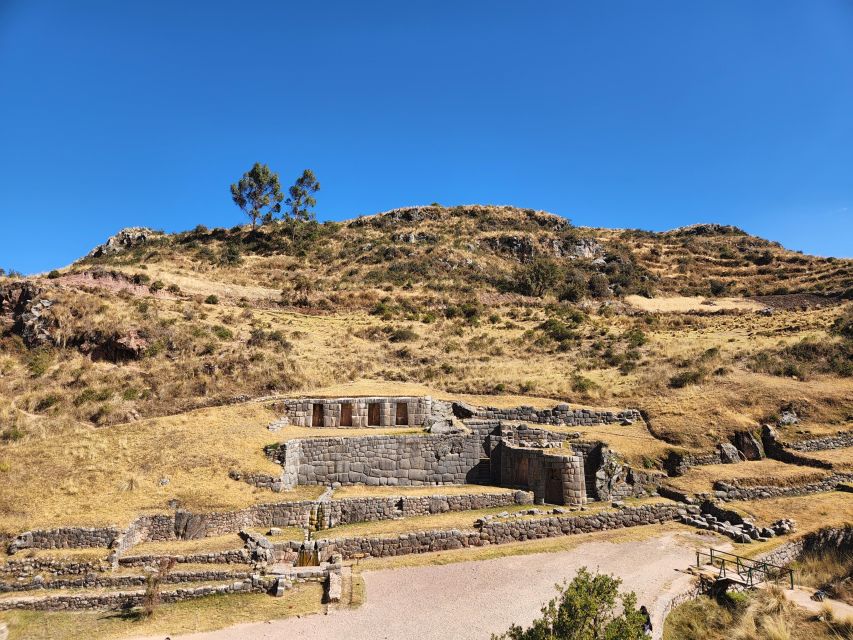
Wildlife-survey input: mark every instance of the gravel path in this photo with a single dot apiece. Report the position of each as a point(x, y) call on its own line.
point(472, 600)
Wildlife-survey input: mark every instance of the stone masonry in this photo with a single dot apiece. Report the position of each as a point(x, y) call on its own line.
point(356, 412)
point(380, 460)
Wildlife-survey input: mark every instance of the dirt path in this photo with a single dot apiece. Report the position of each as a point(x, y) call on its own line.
point(475, 599)
point(802, 597)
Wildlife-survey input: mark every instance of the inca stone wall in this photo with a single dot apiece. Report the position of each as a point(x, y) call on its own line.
point(557, 479)
point(504, 532)
point(381, 460)
point(726, 491)
point(93, 580)
point(301, 412)
point(562, 414)
point(835, 441)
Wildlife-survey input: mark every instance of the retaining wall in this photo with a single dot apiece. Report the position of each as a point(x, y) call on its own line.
point(380, 460)
point(562, 414)
point(492, 532)
point(725, 491)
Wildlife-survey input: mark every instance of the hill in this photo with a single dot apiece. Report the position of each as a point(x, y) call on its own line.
point(706, 329)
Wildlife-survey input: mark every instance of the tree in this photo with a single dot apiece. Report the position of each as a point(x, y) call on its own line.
point(257, 190)
point(538, 277)
point(301, 200)
point(585, 609)
point(599, 286)
point(153, 583)
point(574, 286)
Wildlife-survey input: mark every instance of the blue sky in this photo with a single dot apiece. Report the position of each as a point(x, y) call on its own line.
point(647, 114)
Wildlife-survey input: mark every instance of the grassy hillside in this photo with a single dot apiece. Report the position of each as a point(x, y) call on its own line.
point(706, 329)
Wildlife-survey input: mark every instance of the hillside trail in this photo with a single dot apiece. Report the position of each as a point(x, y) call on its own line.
point(473, 599)
point(802, 597)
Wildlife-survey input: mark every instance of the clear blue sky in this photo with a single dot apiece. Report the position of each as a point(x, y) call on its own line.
point(649, 114)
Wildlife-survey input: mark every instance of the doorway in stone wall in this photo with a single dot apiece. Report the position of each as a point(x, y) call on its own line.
point(521, 471)
point(554, 487)
point(373, 414)
point(317, 416)
point(402, 414)
point(346, 414)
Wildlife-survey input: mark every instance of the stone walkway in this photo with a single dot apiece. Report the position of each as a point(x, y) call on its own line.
point(472, 600)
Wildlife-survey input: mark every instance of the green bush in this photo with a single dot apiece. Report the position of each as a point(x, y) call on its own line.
point(211, 299)
point(599, 286)
point(537, 278)
point(223, 333)
point(590, 607)
point(54, 274)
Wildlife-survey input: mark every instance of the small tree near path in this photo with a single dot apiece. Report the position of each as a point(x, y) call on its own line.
point(258, 193)
point(587, 608)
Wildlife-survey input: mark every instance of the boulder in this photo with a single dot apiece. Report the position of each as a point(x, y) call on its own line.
point(788, 418)
point(728, 453)
point(463, 410)
point(748, 445)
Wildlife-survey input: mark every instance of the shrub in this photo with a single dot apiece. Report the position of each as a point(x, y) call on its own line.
point(599, 286)
point(211, 299)
point(557, 330)
point(230, 255)
point(156, 286)
point(843, 325)
point(39, 361)
point(717, 287)
point(537, 278)
point(636, 338)
point(681, 380)
point(54, 274)
point(588, 608)
point(223, 333)
point(580, 384)
point(47, 402)
point(173, 289)
point(402, 334)
point(574, 286)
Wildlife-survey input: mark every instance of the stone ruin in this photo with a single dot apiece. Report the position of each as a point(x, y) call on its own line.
point(464, 445)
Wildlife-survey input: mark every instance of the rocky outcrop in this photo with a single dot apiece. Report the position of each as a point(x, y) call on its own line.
point(22, 304)
point(749, 446)
point(125, 239)
point(728, 453)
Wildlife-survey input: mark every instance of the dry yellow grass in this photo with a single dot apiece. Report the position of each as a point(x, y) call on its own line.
point(684, 304)
point(632, 442)
point(111, 475)
point(361, 491)
point(841, 459)
point(811, 512)
point(188, 547)
point(204, 614)
point(700, 479)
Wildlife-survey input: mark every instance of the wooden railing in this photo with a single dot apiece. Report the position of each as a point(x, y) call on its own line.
point(750, 572)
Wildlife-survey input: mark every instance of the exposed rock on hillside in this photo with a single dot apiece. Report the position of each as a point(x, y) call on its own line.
point(21, 305)
point(125, 239)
